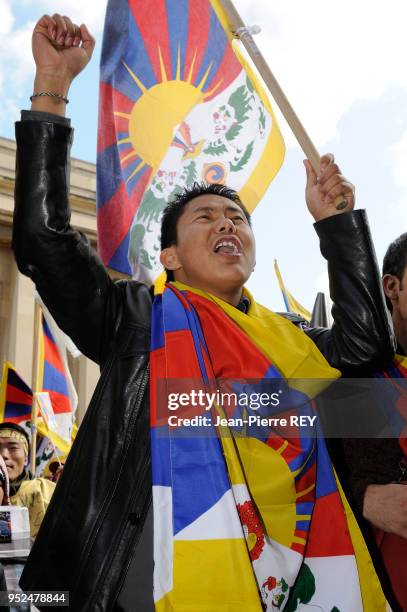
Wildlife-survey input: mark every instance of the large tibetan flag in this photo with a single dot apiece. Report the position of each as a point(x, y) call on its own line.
point(15, 397)
point(290, 302)
point(178, 104)
point(55, 378)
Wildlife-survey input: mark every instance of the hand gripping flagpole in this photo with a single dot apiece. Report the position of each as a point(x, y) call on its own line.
point(245, 34)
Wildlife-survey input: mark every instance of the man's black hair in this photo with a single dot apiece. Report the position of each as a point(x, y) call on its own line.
point(175, 208)
point(16, 427)
point(395, 260)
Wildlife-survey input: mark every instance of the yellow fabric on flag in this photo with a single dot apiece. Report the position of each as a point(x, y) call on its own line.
point(309, 371)
point(57, 441)
point(274, 152)
point(291, 303)
point(205, 578)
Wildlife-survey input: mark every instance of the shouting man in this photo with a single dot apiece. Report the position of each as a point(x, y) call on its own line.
point(25, 490)
point(104, 537)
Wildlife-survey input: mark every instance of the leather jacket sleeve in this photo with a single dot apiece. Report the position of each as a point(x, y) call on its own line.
point(66, 271)
point(361, 338)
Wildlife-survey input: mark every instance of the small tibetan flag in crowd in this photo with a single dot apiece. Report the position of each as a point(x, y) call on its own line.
point(178, 104)
point(52, 373)
point(15, 397)
point(290, 302)
point(55, 379)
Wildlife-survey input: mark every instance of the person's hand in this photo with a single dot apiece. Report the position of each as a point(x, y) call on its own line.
point(60, 46)
point(61, 50)
point(385, 506)
point(321, 192)
point(57, 471)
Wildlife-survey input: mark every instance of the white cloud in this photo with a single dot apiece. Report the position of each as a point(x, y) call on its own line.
point(326, 57)
point(322, 283)
point(91, 13)
point(398, 156)
point(16, 63)
point(7, 19)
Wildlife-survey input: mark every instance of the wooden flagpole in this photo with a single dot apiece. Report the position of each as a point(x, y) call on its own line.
point(242, 32)
point(36, 384)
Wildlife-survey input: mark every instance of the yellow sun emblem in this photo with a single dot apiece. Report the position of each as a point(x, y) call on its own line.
point(161, 108)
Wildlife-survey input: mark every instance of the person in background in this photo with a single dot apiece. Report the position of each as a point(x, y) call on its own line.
point(377, 468)
point(10, 570)
point(33, 493)
point(55, 470)
point(4, 484)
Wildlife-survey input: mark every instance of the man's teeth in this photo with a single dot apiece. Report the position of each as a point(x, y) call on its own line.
point(227, 247)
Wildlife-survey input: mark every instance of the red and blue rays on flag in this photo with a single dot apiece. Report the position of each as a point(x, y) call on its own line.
point(15, 397)
point(52, 372)
point(160, 58)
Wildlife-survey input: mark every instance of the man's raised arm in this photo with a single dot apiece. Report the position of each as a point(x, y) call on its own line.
point(361, 339)
point(69, 276)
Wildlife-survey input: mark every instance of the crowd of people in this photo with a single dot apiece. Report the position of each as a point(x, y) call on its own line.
point(99, 538)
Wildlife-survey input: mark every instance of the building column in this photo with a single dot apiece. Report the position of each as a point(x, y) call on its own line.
point(20, 342)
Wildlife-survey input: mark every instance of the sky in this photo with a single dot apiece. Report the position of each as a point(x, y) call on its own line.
point(342, 66)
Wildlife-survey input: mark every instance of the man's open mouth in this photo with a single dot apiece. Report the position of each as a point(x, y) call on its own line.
point(230, 246)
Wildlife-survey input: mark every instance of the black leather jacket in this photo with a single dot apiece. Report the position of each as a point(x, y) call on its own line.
point(93, 524)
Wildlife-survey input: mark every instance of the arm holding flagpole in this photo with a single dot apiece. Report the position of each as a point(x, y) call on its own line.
point(328, 194)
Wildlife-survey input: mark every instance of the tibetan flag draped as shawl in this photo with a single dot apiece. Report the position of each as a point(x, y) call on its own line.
point(178, 104)
point(246, 522)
